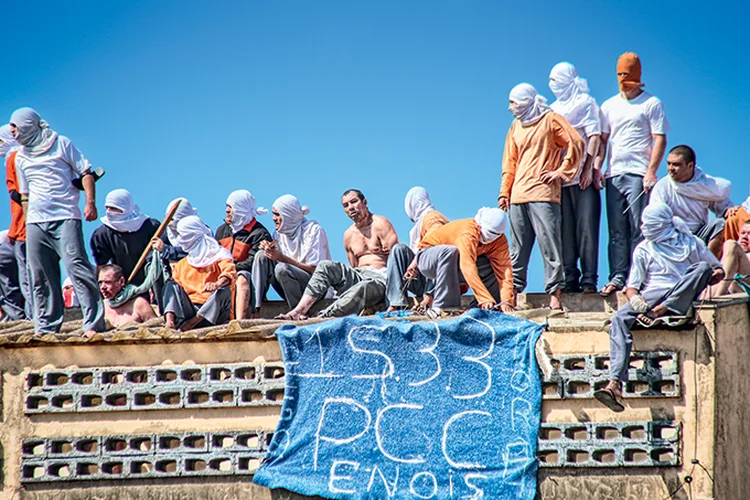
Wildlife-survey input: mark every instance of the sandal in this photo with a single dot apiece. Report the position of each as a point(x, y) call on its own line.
point(607, 397)
point(609, 289)
point(646, 321)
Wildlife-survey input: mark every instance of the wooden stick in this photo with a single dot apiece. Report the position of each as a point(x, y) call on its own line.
point(157, 234)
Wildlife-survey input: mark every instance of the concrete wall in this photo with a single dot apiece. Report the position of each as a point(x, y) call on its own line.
point(710, 404)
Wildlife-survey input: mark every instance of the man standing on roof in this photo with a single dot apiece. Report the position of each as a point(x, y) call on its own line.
point(635, 127)
point(691, 194)
point(534, 169)
point(242, 235)
point(671, 267)
point(47, 164)
point(11, 299)
point(17, 230)
point(581, 202)
point(367, 242)
point(455, 247)
point(289, 263)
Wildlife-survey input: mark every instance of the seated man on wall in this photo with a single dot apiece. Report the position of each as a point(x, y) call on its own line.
point(670, 269)
point(426, 218)
point(367, 242)
point(737, 217)
point(111, 283)
point(200, 293)
point(454, 247)
point(289, 261)
point(242, 235)
point(736, 263)
point(690, 194)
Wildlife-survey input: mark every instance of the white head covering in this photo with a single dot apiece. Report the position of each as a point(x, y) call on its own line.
point(244, 209)
point(492, 222)
point(667, 237)
point(184, 210)
point(529, 107)
point(417, 204)
point(572, 96)
point(34, 134)
point(3, 236)
point(703, 187)
point(130, 220)
point(9, 142)
point(196, 239)
point(293, 224)
point(746, 204)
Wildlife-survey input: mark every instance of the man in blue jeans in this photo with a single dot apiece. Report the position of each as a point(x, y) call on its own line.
point(47, 164)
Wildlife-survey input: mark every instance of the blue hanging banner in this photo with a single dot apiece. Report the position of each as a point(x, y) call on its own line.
point(378, 409)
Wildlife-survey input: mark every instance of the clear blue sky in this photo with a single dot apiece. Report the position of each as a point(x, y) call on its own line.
point(197, 99)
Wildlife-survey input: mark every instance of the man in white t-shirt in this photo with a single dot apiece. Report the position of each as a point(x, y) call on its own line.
point(635, 126)
point(47, 164)
point(691, 194)
point(581, 202)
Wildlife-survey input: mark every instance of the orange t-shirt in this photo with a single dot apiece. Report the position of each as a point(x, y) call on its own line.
point(432, 220)
point(464, 235)
point(734, 223)
point(194, 279)
point(17, 230)
point(530, 151)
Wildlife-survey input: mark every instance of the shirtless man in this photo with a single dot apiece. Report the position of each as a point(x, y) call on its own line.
point(735, 261)
point(111, 282)
point(361, 284)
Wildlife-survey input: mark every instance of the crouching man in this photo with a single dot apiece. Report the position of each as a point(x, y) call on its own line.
point(201, 292)
point(111, 283)
point(671, 267)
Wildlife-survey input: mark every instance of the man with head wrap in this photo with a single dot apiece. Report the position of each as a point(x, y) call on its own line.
point(11, 299)
point(242, 235)
point(300, 244)
point(455, 247)
point(533, 170)
point(124, 234)
point(426, 218)
point(671, 267)
point(166, 245)
point(581, 204)
point(361, 285)
point(47, 164)
point(17, 230)
point(691, 194)
point(200, 293)
point(635, 126)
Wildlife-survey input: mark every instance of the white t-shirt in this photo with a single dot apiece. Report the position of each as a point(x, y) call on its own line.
point(48, 178)
point(693, 211)
point(589, 115)
point(630, 125)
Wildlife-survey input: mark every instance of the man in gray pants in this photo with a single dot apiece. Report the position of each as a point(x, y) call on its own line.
point(47, 164)
point(671, 267)
point(367, 242)
point(11, 298)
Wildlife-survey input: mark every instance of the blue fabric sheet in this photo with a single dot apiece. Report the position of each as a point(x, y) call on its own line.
point(378, 409)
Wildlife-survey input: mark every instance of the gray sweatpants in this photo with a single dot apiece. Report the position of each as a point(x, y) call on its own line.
point(216, 310)
point(581, 209)
point(624, 228)
point(24, 277)
point(678, 300)
point(289, 281)
point(11, 298)
point(396, 289)
point(46, 244)
point(540, 220)
point(440, 263)
point(358, 288)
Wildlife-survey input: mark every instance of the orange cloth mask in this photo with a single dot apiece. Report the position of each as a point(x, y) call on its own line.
point(630, 64)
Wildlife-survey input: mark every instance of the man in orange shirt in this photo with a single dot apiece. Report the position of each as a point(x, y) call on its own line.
point(422, 213)
point(455, 247)
point(17, 230)
point(736, 218)
point(533, 174)
point(203, 285)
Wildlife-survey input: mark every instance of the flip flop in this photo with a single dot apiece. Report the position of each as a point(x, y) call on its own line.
point(646, 321)
point(607, 398)
point(614, 287)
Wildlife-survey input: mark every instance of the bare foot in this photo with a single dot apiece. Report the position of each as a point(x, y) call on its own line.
point(255, 315)
point(89, 333)
point(292, 316)
point(554, 301)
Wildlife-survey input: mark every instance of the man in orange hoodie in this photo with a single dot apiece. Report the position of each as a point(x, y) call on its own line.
point(17, 230)
point(534, 170)
point(455, 247)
